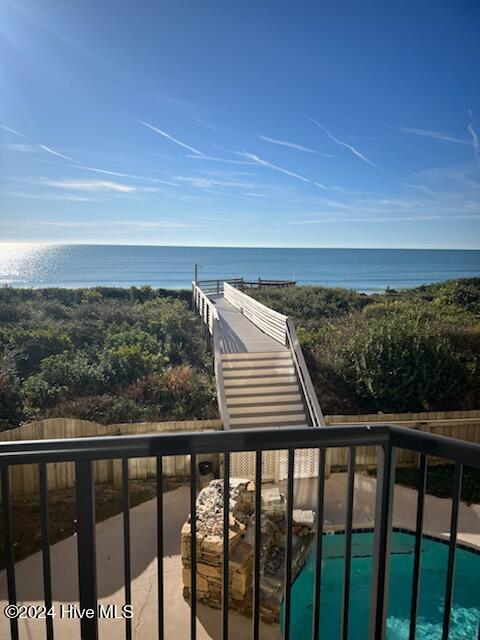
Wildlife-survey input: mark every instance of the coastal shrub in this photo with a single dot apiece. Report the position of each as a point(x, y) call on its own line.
point(11, 401)
point(396, 365)
point(310, 305)
point(65, 376)
point(33, 345)
point(176, 329)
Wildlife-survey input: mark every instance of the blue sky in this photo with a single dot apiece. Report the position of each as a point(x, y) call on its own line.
point(346, 123)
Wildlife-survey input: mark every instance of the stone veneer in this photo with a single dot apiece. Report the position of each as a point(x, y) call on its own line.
point(241, 545)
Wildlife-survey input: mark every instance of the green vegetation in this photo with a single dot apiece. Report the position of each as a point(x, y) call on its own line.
point(414, 350)
point(104, 354)
point(440, 481)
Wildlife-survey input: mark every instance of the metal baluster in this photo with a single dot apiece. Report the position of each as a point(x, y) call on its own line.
point(193, 546)
point(258, 533)
point(288, 546)
point(318, 545)
point(44, 526)
point(8, 544)
point(126, 544)
point(382, 541)
point(226, 533)
point(160, 604)
point(422, 487)
point(87, 577)
point(348, 544)
point(457, 488)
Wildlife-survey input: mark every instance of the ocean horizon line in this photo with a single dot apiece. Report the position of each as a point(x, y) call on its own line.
point(49, 243)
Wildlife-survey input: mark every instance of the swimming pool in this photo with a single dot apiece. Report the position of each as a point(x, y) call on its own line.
point(466, 599)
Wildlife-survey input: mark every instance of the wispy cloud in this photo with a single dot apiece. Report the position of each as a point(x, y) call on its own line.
point(151, 224)
point(120, 174)
point(207, 183)
point(55, 153)
point(89, 185)
point(390, 219)
point(63, 197)
point(474, 135)
point(22, 148)
point(169, 137)
point(293, 145)
point(420, 187)
point(436, 135)
point(10, 130)
point(207, 125)
point(215, 159)
point(35, 146)
point(350, 147)
point(257, 160)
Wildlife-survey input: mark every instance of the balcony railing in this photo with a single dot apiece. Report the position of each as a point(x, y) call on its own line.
point(84, 451)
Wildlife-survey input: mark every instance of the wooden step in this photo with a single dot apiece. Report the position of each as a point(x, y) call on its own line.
point(275, 410)
point(259, 391)
point(287, 370)
point(270, 421)
point(244, 364)
point(258, 382)
point(259, 400)
point(260, 355)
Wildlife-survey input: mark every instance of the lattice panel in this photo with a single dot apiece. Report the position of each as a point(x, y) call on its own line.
point(306, 463)
point(242, 465)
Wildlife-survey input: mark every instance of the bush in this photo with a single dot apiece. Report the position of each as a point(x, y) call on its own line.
point(34, 345)
point(11, 401)
point(64, 376)
point(395, 364)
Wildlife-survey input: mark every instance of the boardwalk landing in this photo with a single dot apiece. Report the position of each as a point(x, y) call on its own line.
point(239, 335)
point(261, 386)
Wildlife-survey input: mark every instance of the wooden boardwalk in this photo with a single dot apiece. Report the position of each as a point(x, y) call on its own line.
point(238, 334)
point(261, 375)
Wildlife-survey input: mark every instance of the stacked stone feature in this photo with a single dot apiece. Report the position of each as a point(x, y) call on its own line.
point(241, 545)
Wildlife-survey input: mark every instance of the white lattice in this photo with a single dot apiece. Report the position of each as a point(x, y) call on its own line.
point(306, 463)
point(242, 465)
point(274, 464)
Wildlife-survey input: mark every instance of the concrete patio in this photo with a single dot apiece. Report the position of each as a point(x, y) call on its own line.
point(144, 562)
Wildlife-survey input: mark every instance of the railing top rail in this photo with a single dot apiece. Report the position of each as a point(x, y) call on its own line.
point(110, 447)
point(259, 305)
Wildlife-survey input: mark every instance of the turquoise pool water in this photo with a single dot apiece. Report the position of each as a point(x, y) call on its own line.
point(466, 602)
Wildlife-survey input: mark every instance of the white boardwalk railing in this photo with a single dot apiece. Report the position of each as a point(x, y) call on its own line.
point(206, 309)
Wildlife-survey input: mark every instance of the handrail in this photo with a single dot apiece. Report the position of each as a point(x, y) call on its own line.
point(217, 361)
point(209, 315)
point(266, 319)
point(309, 393)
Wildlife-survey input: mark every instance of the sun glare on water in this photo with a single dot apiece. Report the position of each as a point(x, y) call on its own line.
point(20, 261)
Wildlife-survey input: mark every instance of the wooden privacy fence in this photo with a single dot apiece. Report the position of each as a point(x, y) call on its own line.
point(463, 425)
point(24, 479)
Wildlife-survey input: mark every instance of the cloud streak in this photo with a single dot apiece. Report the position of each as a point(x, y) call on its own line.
point(89, 185)
point(169, 137)
point(294, 145)
point(257, 160)
point(474, 135)
point(215, 159)
point(120, 174)
point(10, 130)
point(435, 135)
point(350, 147)
point(55, 153)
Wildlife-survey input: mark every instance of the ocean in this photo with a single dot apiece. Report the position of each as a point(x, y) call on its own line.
point(366, 270)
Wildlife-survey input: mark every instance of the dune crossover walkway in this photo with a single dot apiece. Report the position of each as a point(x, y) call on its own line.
point(261, 376)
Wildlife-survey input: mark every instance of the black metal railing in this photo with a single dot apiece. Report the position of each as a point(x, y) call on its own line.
point(83, 452)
